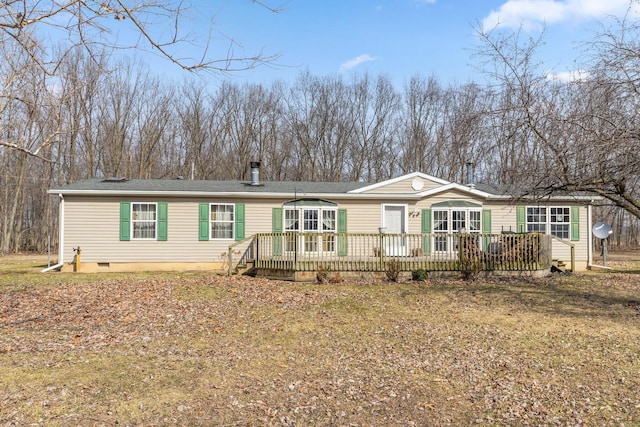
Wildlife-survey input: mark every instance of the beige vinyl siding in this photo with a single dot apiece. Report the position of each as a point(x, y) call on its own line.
point(363, 216)
point(93, 224)
point(404, 186)
point(452, 195)
point(101, 216)
point(366, 216)
point(503, 217)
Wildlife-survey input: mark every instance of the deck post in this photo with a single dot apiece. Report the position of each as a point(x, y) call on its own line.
point(382, 230)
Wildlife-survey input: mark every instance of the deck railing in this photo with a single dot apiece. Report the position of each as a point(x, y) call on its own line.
point(409, 252)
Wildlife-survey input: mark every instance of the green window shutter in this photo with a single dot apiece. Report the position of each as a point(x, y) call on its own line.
point(276, 220)
point(486, 227)
point(239, 221)
point(343, 239)
point(125, 221)
point(521, 219)
point(203, 221)
point(486, 221)
point(426, 229)
point(575, 223)
point(162, 221)
point(276, 227)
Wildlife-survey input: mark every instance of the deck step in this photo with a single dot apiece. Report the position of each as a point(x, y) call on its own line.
point(558, 266)
point(244, 268)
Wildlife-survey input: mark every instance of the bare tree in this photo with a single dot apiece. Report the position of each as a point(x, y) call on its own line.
point(319, 126)
point(30, 121)
point(373, 143)
point(159, 26)
point(461, 137)
point(153, 128)
point(82, 85)
point(273, 148)
point(421, 125)
point(580, 135)
point(194, 154)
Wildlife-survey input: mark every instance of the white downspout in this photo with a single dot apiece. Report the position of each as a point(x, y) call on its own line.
point(589, 236)
point(60, 237)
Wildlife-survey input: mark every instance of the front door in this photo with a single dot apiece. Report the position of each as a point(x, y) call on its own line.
point(395, 221)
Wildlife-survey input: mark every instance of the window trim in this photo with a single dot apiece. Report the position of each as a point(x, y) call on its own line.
point(443, 238)
point(300, 218)
point(565, 224)
point(301, 209)
point(450, 219)
point(232, 221)
point(133, 221)
point(547, 220)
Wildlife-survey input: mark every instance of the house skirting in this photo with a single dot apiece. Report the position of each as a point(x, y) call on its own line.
point(130, 267)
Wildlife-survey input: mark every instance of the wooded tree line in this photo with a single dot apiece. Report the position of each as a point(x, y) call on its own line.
point(94, 116)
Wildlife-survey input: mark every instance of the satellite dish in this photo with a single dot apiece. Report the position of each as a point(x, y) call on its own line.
point(601, 230)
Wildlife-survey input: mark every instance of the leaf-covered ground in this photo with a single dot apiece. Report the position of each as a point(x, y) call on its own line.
point(197, 349)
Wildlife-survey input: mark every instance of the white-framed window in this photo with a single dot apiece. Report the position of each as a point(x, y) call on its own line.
point(329, 223)
point(555, 220)
point(291, 225)
point(560, 221)
point(310, 224)
point(536, 219)
point(291, 220)
point(144, 221)
point(474, 223)
point(441, 229)
point(222, 219)
point(310, 220)
point(451, 220)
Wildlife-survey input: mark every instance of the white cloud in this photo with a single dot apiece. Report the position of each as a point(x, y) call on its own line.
point(569, 76)
point(352, 63)
point(425, 1)
point(534, 14)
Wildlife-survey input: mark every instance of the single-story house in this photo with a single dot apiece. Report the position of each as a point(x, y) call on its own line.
point(121, 224)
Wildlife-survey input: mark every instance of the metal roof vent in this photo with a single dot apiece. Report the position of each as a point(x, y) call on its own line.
point(470, 175)
point(115, 179)
point(255, 173)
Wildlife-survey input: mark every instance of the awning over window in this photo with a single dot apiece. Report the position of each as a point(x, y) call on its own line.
point(310, 203)
point(456, 204)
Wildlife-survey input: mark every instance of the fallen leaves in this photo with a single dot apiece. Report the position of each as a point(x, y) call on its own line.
point(211, 350)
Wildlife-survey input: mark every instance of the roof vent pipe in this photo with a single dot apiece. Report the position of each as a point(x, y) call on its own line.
point(470, 177)
point(255, 173)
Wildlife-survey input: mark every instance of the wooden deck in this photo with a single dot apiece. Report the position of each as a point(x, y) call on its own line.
point(344, 252)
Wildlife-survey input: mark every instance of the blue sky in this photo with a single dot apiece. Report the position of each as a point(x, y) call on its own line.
point(398, 38)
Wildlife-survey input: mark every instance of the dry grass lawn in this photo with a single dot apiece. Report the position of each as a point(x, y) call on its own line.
point(195, 349)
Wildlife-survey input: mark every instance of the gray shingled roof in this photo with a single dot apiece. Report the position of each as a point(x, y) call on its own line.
point(516, 191)
point(266, 188)
point(205, 186)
